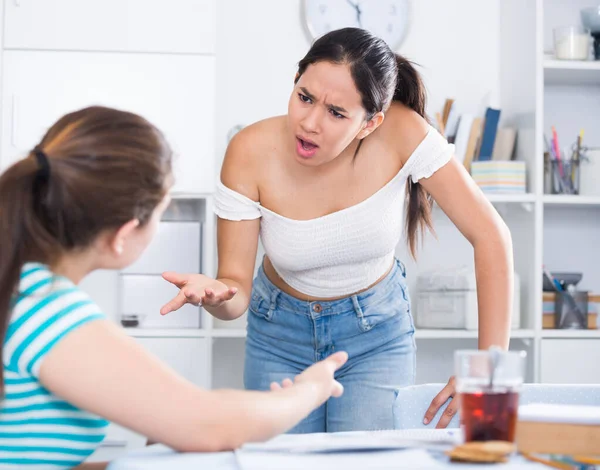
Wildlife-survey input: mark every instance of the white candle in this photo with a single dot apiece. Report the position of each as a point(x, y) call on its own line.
point(572, 46)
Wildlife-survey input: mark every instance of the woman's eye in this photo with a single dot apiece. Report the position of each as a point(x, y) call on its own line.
point(304, 98)
point(336, 114)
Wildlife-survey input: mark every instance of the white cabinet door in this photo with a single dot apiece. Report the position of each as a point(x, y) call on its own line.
point(187, 356)
point(175, 92)
point(183, 26)
point(570, 361)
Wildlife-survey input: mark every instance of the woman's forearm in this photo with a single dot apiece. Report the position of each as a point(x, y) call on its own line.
point(258, 416)
point(233, 308)
point(494, 273)
point(226, 419)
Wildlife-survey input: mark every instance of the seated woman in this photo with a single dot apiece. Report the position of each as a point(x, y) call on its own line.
point(90, 196)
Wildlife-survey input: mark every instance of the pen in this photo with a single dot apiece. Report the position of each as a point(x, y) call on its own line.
point(557, 150)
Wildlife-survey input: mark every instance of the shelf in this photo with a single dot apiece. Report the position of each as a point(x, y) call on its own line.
point(178, 195)
point(419, 333)
point(465, 334)
point(571, 72)
point(525, 200)
point(228, 333)
point(570, 200)
point(166, 332)
point(576, 334)
point(516, 198)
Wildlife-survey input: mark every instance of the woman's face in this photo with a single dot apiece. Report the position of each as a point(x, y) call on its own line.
point(325, 113)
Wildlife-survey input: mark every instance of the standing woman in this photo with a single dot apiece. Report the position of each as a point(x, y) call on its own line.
point(326, 187)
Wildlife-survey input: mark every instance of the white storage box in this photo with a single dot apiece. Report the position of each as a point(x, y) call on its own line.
point(175, 247)
point(448, 299)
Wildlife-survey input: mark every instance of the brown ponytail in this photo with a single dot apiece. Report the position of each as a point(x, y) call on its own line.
point(94, 170)
point(410, 91)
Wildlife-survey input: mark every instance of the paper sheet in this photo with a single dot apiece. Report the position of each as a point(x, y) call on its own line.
point(358, 441)
point(415, 459)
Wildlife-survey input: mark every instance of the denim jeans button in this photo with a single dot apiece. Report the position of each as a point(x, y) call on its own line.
point(317, 308)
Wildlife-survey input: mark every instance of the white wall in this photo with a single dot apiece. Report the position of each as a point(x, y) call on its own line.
point(260, 42)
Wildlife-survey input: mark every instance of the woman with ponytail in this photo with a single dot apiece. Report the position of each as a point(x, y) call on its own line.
point(88, 197)
point(326, 187)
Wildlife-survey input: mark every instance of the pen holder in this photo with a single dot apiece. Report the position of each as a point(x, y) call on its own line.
point(548, 186)
point(571, 310)
point(565, 175)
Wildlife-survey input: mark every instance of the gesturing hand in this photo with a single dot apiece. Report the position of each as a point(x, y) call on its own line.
point(196, 289)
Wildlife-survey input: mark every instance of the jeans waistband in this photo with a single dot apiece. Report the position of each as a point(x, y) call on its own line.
point(394, 280)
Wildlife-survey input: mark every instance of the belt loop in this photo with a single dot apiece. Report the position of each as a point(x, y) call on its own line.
point(273, 300)
point(357, 309)
point(402, 267)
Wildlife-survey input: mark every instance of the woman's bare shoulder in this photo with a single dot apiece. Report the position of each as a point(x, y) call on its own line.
point(248, 152)
point(404, 128)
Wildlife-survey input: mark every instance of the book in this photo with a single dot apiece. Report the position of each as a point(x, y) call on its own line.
point(488, 135)
point(446, 112)
point(451, 126)
point(558, 429)
point(463, 135)
point(499, 176)
point(504, 146)
point(474, 137)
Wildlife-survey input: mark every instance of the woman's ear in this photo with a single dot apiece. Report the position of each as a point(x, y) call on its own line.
point(371, 125)
point(117, 243)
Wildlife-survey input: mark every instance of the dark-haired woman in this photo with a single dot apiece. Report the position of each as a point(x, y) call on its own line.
point(325, 187)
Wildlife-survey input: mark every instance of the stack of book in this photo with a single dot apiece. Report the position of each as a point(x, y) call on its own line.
point(570, 430)
point(500, 177)
point(486, 149)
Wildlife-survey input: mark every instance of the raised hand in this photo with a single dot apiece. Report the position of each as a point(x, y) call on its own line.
point(196, 289)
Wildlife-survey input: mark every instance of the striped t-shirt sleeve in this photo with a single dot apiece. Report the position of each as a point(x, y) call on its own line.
point(47, 309)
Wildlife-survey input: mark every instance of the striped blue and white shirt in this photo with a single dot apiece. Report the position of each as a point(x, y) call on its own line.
point(37, 428)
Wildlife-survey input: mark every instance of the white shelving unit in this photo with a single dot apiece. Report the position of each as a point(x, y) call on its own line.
point(567, 96)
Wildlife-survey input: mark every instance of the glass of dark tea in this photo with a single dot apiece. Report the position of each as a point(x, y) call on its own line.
point(488, 385)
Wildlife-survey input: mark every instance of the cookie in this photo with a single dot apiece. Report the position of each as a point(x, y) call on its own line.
point(484, 452)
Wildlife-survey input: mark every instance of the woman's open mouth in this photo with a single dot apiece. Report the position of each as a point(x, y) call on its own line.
point(305, 148)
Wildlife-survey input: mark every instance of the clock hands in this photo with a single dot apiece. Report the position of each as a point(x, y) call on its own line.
point(356, 6)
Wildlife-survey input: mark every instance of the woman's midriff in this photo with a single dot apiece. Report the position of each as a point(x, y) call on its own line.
point(282, 285)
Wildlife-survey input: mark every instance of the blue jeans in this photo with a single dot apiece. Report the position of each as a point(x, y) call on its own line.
point(286, 335)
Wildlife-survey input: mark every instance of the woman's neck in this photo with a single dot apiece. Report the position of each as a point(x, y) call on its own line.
point(75, 266)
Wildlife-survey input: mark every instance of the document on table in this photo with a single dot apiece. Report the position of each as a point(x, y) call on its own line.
point(413, 459)
point(358, 441)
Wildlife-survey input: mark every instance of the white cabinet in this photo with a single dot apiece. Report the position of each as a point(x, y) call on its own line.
point(570, 361)
point(187, 356)
point(183, 26)
point(175, 92)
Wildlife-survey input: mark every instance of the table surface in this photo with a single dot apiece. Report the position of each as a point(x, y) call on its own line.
point(157, 457)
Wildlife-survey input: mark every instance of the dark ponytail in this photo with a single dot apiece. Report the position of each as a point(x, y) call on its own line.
point(410, 91)
point(380, 77)
point(20, 232)
point(94, 170)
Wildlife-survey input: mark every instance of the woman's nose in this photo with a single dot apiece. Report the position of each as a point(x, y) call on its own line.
point(311, 122)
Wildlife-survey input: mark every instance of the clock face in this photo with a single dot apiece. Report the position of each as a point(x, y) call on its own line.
point(387, 19)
